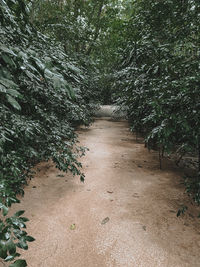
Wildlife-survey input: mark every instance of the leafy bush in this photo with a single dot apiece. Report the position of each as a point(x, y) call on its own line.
point(42, 100)
point(158, 80)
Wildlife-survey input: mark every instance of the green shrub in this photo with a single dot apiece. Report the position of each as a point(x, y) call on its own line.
point(42, 100)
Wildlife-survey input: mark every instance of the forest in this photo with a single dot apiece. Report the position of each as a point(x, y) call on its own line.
point(60, 60)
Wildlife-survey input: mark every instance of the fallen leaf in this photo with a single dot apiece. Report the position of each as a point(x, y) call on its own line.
point(73, 226)
point(107, 219)
point(144, 228)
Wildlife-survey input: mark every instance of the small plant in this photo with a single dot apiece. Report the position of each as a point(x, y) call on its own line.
point(192, 185)
point(12, 236)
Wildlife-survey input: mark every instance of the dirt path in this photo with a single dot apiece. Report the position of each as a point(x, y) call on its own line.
point(124, 213)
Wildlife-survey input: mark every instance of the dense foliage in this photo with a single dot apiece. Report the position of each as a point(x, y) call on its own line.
point(89, 29)
point(44, 94)
point(158, 79)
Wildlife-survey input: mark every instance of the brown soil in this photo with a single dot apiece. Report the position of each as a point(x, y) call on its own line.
point(123, 215)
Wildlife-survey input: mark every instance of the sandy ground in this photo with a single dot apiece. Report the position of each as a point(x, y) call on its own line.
point(124, 215)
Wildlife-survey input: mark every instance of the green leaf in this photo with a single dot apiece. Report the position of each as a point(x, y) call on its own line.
point(11, 247)
point(8, 83)
point(3, 251)
point(13, 102)
point(19, 213)
point(13, 92)
point(9, 258)
point(22, 243)
point(19, 263)
point(4, 209)
point(24, 219)
point(19, 233)
point(30, 238)
point(8, 60)
point(71, 92)
point(82, 178)
point(7, 50)
point(2, 89)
